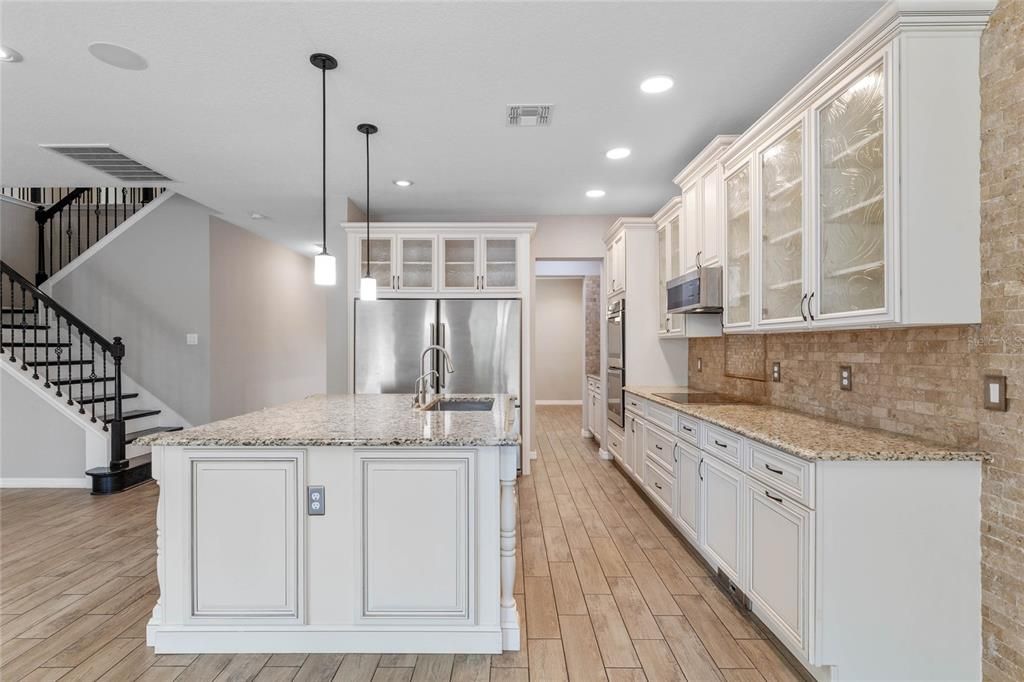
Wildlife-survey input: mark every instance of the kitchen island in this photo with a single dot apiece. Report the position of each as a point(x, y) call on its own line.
point(340, 523)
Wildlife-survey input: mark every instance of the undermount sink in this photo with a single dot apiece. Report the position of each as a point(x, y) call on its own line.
point(469, 405)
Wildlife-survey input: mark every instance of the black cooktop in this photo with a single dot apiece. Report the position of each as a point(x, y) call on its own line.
point(699, 398)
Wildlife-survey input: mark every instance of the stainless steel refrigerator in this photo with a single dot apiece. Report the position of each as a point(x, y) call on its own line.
point(483, 337)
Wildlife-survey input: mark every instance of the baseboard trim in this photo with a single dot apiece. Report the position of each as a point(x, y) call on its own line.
point(83, 482)
point(558, 402)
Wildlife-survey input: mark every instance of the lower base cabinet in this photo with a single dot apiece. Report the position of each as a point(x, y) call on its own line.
point(778, 546)
point(633, 457)
point(721, 502)
point(688, 478)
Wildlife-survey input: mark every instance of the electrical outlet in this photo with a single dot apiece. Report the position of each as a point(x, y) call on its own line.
point(995, 392)
point(845, 378)
point(776, 372)
point(315, 500)
point(700, 364)
point(192, 339)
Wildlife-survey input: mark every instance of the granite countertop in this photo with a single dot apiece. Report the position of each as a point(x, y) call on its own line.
point(354, 420)
point(806, 436)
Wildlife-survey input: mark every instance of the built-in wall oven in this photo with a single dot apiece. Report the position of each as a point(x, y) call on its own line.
point(615, 375)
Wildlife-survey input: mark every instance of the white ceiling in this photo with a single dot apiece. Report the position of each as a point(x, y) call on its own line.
point(230, 106)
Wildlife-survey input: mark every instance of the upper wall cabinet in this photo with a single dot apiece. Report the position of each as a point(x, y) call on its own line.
point(701, 224)
point(862, 185)
point(417, 259)
point(615, 265)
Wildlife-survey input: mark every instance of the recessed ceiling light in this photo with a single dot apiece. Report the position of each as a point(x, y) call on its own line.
point(618, 153)
point(656, 84)
point(595, 193)
point(257, 216)
point(403, 183)
point(118, 55)
point(8, 54)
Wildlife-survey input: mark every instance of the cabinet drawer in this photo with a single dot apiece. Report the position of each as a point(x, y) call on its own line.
point(687, 427)
point(662, 416)
point(722, 443)
point(593, 385)
point(658, 483)
point(634, 404)
point(614, 443)
point(786, 473)
point(660, 446)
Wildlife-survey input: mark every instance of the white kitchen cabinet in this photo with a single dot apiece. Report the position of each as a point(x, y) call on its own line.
point(417, 261)
point(688, 479)
point(416, 505)
point(691, 227)
point(700, 186)
point(721, 502)
point(479, 263)
point(866, 201)
point(246, 534)
point(668, 219)
point(615, 265)
point(634, 455)
point(738, 275)
point(499, 263)
point(711, 213)
point(381, 260)
point(460, 269)
point(779, 535)
point(594, 411)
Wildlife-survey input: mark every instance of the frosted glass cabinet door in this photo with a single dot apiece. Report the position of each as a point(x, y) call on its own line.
point(851, 148)
point(782, 226)
point(459, 269)
point(382, 265)
point(737, 257)
point(416, 257)
point(500, 263)
point(662, 279)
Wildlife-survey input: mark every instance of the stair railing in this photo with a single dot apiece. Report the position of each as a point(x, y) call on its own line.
point(44, 326)
point(70, 220)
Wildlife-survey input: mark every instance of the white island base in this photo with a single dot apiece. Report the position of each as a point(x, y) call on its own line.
point(414, 553)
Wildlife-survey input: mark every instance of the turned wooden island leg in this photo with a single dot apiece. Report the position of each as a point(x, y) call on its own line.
point(509, 612)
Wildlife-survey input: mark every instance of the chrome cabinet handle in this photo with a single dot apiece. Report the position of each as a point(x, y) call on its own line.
point(810, 311)
point(772, 497)
point(772, 469)
point(802, 301)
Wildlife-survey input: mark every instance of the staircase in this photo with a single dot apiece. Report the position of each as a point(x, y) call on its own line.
point(75, 365)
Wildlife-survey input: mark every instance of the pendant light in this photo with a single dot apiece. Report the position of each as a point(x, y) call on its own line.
point(367, 285)
point(325, 272)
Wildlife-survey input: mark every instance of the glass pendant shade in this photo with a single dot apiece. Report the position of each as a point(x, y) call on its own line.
point(325, 273)
point(367, 289)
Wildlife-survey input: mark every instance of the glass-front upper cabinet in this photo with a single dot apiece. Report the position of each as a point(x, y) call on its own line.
point(416, 264)
point(500, 263)
point(852, 237)
point(458, 263)
point(782, 229)
point(737, 258)
point(381, 261)
point(663, 256)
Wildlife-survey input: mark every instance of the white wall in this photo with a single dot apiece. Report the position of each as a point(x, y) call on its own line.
point(18, 237)
point(36, 441)
point(267, 323)
point(559, 339)
point(570, 236)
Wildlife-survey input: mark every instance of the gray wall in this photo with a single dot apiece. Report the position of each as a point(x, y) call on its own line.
point(151, 286)
point(559, 339)
point(36, 441)
point(267, 323)
point(18, 237)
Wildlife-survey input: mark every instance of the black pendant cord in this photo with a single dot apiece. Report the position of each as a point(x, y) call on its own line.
point(323, 161)
point(367, 135)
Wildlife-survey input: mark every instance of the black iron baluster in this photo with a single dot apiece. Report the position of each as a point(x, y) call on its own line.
point(118, 460)
point(10, 317)
point(49, 249)
point(78, 226)
point(35, 342)
point(124, 204)
point(46, 367)
point(106, 211)
point(1, 315)
point(81, 374)
point(60, 242)
point(71, 365)
point(105, 428)
point(24, 348)
point(92, 375)
point(57, 362)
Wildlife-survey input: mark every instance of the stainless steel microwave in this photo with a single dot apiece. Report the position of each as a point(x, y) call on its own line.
point(696, 292)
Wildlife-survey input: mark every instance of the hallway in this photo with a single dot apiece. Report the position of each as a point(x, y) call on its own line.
point(605, 589)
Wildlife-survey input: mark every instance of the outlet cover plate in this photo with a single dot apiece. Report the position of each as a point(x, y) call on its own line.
point(995, 392)
point(315, 504)
point(845, 378)
point(776, 372)
point(700, 364)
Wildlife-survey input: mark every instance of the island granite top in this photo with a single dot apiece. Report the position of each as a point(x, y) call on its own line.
point(806, 436)
point(354, 420)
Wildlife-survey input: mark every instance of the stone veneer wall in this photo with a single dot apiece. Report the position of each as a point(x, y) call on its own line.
point(592, 324)
point(927, 382)
point(1001, 340)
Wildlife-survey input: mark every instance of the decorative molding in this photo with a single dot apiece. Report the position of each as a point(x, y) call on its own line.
point(710, 154)
point(84, 482)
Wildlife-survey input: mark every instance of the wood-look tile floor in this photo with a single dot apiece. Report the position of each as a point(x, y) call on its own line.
point(606, 591)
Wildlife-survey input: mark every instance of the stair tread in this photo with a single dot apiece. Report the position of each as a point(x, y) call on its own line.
point(133, 414)
point(105, 397)
point(129, 437)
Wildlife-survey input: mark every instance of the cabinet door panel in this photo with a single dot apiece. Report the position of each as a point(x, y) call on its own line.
point(779, 562)
point(711, 217)
point(720, 502)
point(245, 538)
point(500, 259)
point(416, 262)
point(382, 260)
point(688, 484)
point(692, 229)
point(851, 151)
point(737, 274)
point(782, 228)
point(416, 537)
point(459, 263)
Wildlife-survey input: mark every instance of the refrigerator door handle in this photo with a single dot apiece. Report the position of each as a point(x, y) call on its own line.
point(444, 344)
point(433, 357)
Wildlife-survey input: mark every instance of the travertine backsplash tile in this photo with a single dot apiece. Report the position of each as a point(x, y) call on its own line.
point(592, 314)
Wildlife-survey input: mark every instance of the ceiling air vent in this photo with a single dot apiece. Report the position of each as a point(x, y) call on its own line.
point(528, 115)
point(105, 158)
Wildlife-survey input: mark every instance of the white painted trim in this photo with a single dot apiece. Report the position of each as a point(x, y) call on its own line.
point(559, 402)
point(47, 286)
point(17, 202)
point(83, 482)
